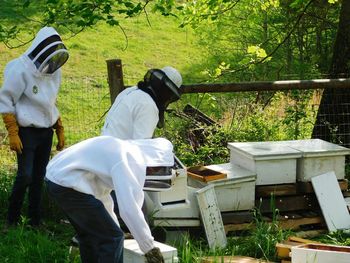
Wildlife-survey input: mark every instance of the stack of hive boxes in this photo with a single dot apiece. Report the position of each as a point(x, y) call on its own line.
point(282, 162)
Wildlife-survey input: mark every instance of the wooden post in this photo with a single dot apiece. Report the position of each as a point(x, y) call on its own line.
point(115, 77)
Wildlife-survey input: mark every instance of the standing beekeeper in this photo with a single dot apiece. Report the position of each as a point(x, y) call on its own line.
point(28, 107)
point(138, 110)
point(81, 178)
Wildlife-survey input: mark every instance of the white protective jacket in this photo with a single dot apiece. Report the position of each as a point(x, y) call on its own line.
point(99, 165)
point(133, 115)
point(28, 93)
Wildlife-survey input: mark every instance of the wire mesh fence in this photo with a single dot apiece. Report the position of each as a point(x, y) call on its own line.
point(252, 116)
point(82, 104)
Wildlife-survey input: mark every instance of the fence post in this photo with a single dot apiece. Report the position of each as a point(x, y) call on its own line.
point(115, 77)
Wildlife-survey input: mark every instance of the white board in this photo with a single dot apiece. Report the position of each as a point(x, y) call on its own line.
point(211, 217)
point(331, 200)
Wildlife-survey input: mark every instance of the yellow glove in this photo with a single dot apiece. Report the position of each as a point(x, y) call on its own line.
point(12, 129)
point(60, 134)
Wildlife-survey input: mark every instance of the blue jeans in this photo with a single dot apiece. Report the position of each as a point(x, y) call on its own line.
point(100, 238)
point(31, 170)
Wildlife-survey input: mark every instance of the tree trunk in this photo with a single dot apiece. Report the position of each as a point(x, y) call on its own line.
point(333, 117)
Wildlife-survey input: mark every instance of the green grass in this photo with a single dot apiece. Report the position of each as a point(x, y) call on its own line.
point(84, 95)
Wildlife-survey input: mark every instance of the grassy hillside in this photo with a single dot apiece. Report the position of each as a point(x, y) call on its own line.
point(84, 96)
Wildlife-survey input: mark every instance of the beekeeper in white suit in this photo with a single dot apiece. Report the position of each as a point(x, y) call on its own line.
point(81, 178)
point(138, 110)
point(28, 107)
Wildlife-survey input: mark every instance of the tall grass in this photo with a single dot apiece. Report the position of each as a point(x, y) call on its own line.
point(24, 244)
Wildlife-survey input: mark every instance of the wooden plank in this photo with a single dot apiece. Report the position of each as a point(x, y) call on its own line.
point(237, 227)
point(231, 259)
point(306, 187)
point(287, 203)
point(284, 248)
point(296, 223)
point(302, 240)
point(211, 217)
point(291, 224)
point(310, 233)
point(237, 217)
point(276, 190)
point(267, 85)
point(198, 115)
point(331, 201)
point(288, 216)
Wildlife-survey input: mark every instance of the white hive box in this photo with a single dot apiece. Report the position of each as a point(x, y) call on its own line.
point(320, 253)
point(318, 157)
point(178, 190)
point(133, 253)
point(234, 193)
point(273, 163)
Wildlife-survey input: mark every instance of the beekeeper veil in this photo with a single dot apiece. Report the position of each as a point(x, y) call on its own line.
point(158, 156)
point(47, 52)
point(163, 85)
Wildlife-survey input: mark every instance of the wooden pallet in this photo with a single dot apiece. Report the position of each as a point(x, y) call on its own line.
point(231, 259)
point(293, 220)
point(292, 189)
point(295, 205)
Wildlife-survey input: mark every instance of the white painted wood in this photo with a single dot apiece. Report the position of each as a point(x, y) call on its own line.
point(133, 253)
point(211, 217)
point(234, 193)
point(331, 201)
point(273, 163)
point(347, 201)
point(178, 191)
point(316, 253)
point(318, 157)
point(176, 210)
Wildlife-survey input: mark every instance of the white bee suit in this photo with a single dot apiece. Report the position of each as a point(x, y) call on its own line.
point(99, 165)
point(133, 115)
point(27, 91)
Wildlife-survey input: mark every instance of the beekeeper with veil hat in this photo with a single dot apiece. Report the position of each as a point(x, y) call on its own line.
point(28, 107)
point(81, 178)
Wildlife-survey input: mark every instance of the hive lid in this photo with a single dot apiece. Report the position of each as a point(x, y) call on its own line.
point(167, 251)
point(233, 171)
point(316, 147)
point(265, 150)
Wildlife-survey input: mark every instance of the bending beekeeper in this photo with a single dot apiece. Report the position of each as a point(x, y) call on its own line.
point(28, 107)
point(138, 110)
point(81, 178)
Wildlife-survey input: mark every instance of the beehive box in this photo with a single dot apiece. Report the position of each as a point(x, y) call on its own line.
point(235, 191)
point(133, 253)
point(318, 157)
point(178, 190)
point(273, 163)
point(204, 174)
point(320, 253)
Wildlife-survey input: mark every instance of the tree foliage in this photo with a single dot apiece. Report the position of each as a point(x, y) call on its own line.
point(265, 39)
point(20, 19)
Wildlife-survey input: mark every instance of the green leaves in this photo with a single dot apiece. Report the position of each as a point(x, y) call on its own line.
point(74, 15)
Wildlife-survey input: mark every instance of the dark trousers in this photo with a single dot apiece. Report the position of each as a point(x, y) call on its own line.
point(31, 170)
point(100, 238)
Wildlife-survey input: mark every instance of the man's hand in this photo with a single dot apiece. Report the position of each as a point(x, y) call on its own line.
point(154, 256)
